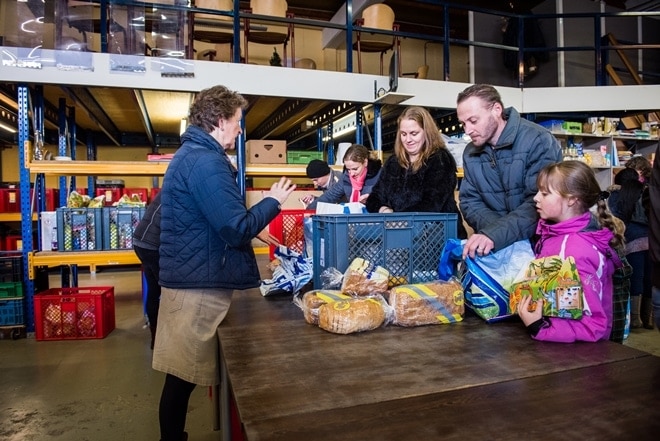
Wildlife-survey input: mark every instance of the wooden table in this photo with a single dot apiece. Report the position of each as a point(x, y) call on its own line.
point(470, 380)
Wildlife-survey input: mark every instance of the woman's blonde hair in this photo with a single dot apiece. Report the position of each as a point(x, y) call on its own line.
point(432, 138)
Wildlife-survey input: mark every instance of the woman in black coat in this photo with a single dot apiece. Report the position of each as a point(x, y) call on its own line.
point(421, 174)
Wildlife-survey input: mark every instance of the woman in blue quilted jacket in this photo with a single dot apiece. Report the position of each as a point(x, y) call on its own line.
point(205, 250)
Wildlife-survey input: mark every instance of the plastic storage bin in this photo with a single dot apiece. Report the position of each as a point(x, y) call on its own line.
point(112, 189)
point(143, 193)
point(288, 228)
point(11, 268)
point(74, 313)
point(119, 223)
point(79, 229)
point(302, 157)
point(11, 311)
point(11, 289)
point(408, 245)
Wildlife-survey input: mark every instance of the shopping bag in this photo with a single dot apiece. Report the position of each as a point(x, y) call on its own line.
point(293, 272)
point(486, 279)
point(556, 281)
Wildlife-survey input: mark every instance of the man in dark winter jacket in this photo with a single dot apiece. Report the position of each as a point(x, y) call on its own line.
point(205, 250)
point(500, 166)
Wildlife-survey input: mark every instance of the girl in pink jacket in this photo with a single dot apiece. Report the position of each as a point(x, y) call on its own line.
point(566, 192)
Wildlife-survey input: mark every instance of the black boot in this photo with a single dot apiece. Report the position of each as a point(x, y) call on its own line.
point(152, 328)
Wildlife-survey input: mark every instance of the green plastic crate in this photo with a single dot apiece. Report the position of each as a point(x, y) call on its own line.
point(302, 157)
point(11, 289)
point(572, 127)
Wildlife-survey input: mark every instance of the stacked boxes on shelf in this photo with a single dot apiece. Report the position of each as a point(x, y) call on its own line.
point(10, 197)
point(74, 313)
point(261, 151)
point(11, 291)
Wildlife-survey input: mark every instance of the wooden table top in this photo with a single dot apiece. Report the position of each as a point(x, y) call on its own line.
point(288, 376)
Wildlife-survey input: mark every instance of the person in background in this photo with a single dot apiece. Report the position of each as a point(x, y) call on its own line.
point(654, 234)
point(566, 191)
point(146, 240)
point(361, 172)
point(625, 202)
point(421, 174)
point(500, 166)
point(322, 175)
point(205, 250)
point(642, 166)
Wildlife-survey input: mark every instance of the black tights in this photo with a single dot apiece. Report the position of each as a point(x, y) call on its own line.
point(174, 407)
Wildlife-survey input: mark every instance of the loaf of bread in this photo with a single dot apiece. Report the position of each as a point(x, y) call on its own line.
point(427, 303)
point(353, 315)
point(312, 300)
point(363, 278)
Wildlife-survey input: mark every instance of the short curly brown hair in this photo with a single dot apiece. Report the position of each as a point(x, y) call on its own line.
point(642, 165)
point(212, 104)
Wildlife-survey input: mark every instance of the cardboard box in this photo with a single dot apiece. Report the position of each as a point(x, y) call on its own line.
point(264, 151)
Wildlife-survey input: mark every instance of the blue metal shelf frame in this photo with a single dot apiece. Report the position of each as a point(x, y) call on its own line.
point(26, 209)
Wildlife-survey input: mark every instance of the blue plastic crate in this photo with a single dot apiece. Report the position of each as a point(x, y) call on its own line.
point(79, 229)
point(11, 312)
point(408, 245)
point(119, 223)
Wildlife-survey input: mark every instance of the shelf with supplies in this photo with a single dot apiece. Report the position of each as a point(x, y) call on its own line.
point(605, 153)
point(92, 259)
point(95, 168)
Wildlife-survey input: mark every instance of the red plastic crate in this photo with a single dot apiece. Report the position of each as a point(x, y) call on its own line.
point(111, 194)
point(52, 199)
point(142, 192)
point(74, 313)
point(154, 192)
point(288, 228)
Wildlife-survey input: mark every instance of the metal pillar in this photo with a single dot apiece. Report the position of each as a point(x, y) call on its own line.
point(359, 135)
point(62, 143)
point(24, 148)
point(331, 143)
point(240, 158)
point(378, 128)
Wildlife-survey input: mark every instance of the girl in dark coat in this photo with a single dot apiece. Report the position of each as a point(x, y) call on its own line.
point(421, 174)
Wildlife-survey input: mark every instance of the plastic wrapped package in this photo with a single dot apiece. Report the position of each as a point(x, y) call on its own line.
point(430, 303)
point(356, 314)
point(363, 278)
point(311, 301)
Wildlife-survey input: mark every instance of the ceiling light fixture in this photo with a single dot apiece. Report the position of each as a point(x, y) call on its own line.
point(10, 129)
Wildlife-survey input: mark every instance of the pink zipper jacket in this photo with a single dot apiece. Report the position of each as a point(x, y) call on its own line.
point(584, 239)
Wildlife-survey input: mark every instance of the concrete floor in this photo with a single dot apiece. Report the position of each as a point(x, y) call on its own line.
point(98, 390)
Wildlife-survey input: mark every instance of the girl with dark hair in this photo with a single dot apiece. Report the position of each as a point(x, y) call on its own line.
point(625, 202)
point(566, 192)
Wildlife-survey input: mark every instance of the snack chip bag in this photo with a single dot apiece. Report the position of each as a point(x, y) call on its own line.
point(556, 281)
